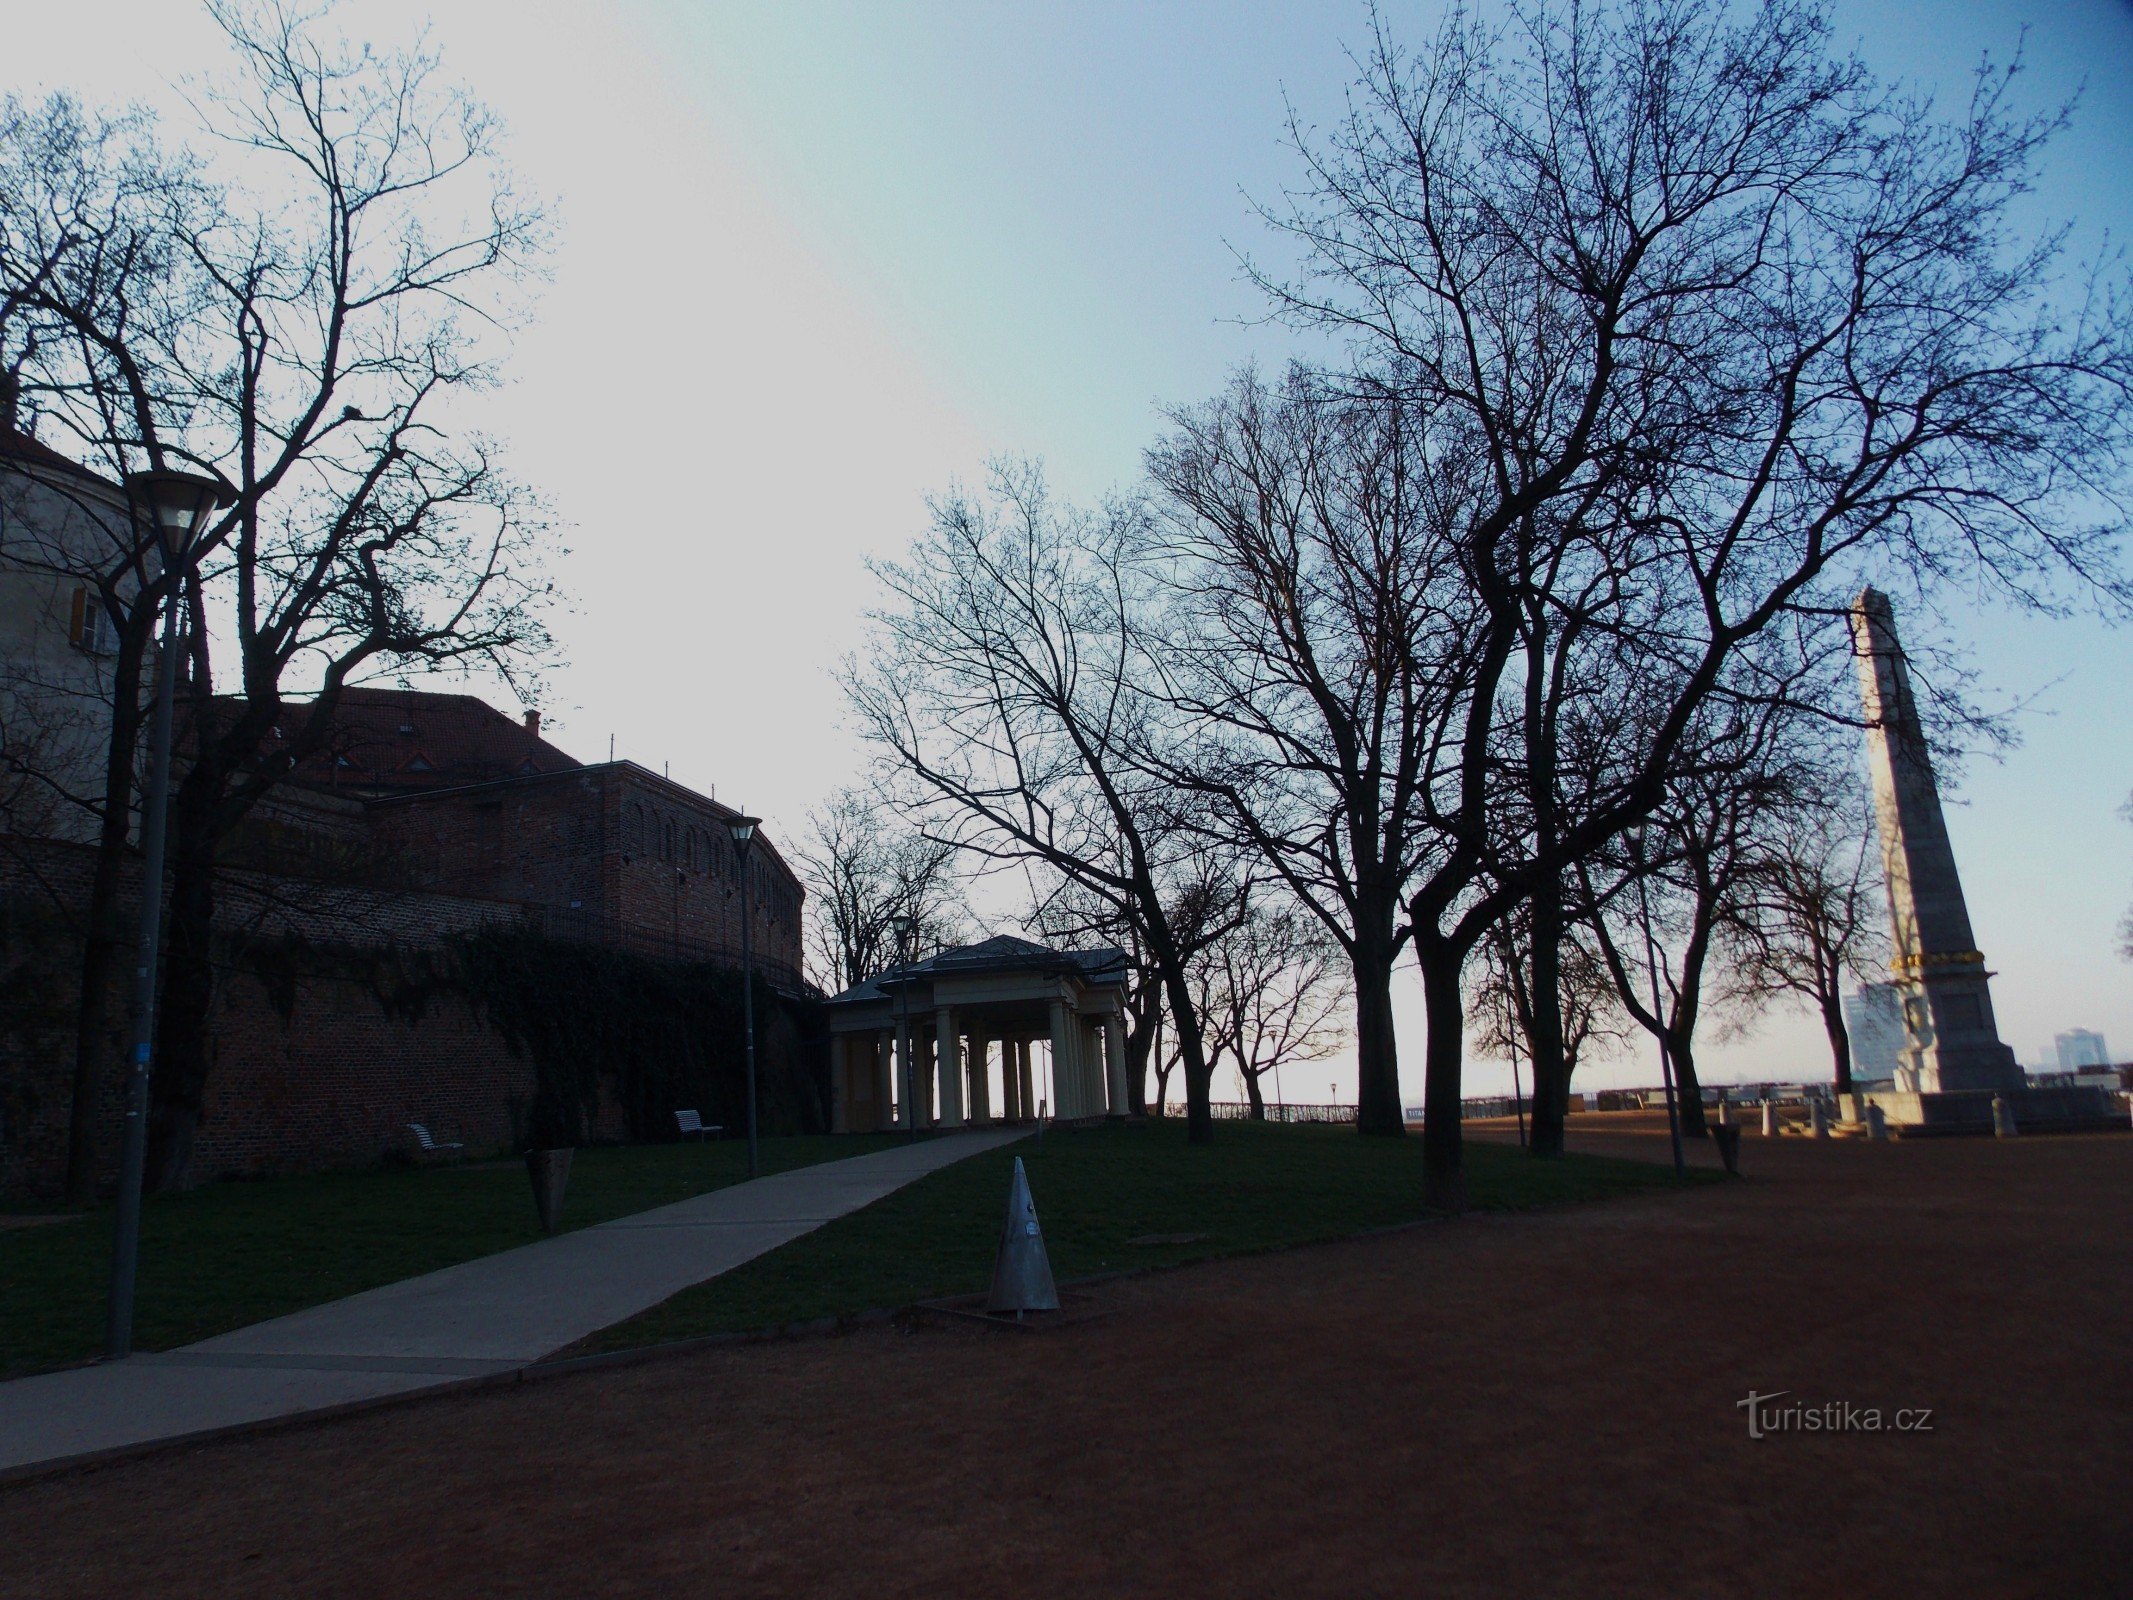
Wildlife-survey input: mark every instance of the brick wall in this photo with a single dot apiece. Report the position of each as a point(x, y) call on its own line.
point(611, 852)
point(337, 1080)
point(310, 1068)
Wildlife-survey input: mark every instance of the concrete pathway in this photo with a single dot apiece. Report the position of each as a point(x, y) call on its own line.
point(490, 1315)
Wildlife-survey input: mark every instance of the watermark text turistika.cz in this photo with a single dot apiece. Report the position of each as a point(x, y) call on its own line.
point(1768, 1414)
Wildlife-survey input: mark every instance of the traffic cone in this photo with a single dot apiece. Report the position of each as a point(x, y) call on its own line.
point(1022, 1272)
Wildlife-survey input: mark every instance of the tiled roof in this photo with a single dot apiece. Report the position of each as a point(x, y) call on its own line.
point(1003, 952)
point(14, 442)
point(389, 741)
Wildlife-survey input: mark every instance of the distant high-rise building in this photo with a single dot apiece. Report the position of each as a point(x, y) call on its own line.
point(2079, 1048)
point(1873, 1019)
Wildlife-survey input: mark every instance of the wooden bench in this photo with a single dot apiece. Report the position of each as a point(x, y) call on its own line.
point(689, 1122)
point(450, 1149)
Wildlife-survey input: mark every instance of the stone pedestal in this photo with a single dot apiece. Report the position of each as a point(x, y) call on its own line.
point(1971, 1110)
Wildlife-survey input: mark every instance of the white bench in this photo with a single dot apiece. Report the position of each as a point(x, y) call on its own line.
point(450, 1149)
point(689, 1122)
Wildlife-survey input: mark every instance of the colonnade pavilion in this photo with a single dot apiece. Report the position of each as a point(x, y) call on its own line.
point(932, 1027)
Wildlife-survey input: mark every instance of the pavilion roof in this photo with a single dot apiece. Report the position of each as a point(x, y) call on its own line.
point(1003, 952)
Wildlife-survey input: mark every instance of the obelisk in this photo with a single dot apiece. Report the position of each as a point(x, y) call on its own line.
point(1952, 1043)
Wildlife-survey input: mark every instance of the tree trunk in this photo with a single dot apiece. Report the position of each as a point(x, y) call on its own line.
point(1840, 1042)
point(93, 1045)
point(1140, 1044)
point(1199, 1075)
point(1443, 1157)
point(1377, 1052)
point(185, 1004)
point(1680, 1039)
point(1252, 1093)
point(1544, 1041)
point(1688, 1092)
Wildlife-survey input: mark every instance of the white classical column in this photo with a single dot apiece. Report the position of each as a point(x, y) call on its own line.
point(883, 1066)
point(948, 1062)
point(840, 1086)
point(979, 1061)
point(1025, 1079)
point(1115, 1059)
point(905, 1045)
point(1011, 1050)
point(1063, 1029)
point(1092, 1068)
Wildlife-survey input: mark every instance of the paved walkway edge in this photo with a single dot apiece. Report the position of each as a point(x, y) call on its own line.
point(432, 1383)
point(531, 1372)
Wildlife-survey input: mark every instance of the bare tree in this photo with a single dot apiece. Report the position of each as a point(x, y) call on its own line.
point(1501, 1008)
point(92, 209)
point(1660, 902)
point(866, 872)
point(1202, 895)
point(1317, 638)
point(1710, 322)
point(323, 321)
point(1007, 684)
point(1276, 993)
point(1816, 915)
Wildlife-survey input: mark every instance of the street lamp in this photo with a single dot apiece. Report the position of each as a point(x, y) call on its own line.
point(743, 831)
point(177, 505)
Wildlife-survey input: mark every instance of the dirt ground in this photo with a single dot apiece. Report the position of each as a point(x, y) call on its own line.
point(1534, 1405)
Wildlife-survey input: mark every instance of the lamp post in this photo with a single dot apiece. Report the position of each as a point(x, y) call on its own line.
point(743, 831)
point(906, 932)
point(178, 505)
point(1518, 1095)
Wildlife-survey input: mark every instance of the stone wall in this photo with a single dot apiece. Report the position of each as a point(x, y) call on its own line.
point(609, 852)
point(315, 1063)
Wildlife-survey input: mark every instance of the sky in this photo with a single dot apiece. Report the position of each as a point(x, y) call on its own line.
point(818, 259)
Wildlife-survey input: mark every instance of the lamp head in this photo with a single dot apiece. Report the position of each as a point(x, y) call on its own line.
point(179, 503)
point(743, 831)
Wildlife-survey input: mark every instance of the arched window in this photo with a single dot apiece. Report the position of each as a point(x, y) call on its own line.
point(633, 830)
point(666, 840)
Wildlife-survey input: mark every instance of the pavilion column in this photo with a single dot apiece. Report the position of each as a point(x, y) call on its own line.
point(980, 1065)
point(840, 1082)
point(1011, 1050)
point(907, 1077)
point(884, 1077)
point(1062, 1059)
point(948, 1061)
point(1025, 1079)
point(1092, 1070)
point(1115, 1059)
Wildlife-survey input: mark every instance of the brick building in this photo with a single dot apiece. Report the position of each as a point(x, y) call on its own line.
point(443, 794)
point(419, 819)
point(369, 857)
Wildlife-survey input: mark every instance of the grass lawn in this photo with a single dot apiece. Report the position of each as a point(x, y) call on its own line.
point(1258, 1187)
point(230, 1254)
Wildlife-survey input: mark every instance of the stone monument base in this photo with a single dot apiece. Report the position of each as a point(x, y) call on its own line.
point(2036, 1110)
point(1938, 1069)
